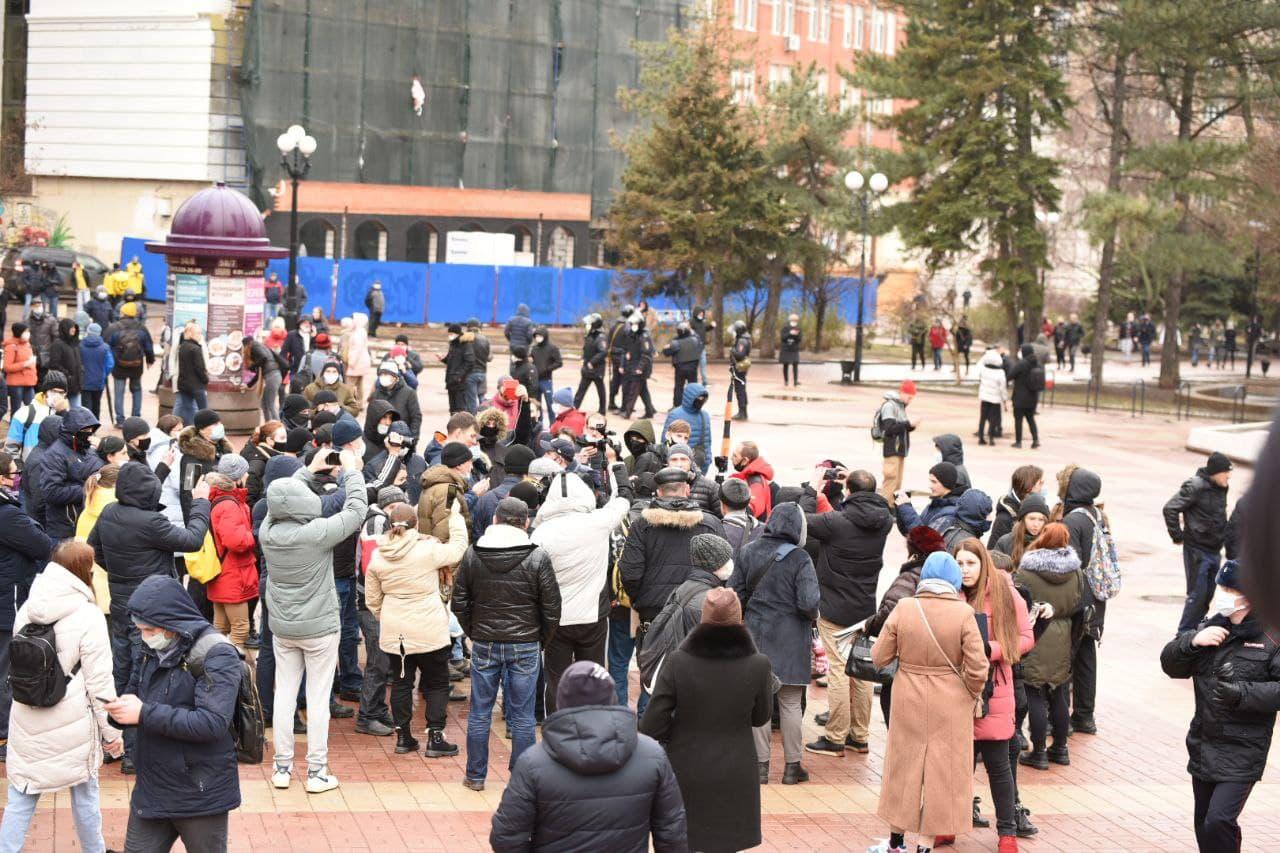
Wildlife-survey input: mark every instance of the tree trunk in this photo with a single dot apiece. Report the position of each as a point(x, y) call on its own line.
point(820, 319)
point(715, 346)
point(1115, 165)
point(1169, 368)
point(772, 310)
point(698, 283)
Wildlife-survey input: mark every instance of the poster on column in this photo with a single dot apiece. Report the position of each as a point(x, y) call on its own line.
point(225, 328)
point(190, 300)
point(254, 298)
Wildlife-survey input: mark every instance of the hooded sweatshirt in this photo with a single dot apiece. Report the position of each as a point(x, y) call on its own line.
point(32, 476)
point(692, 409)
point(951, 449)
point(64, 472)
point(297, 542)
point(575, 536)
point(971, 520)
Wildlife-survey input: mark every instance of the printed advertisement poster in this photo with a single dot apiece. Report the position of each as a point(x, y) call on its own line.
point(190, 300)
point(254, 298)
point(225, 329)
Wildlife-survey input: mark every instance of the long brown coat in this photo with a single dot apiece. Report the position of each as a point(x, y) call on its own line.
point(928, 770)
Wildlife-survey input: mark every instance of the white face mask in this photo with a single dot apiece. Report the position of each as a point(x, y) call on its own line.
point(1225, 604)
point(725, 571)
point(386, 380)
point(158, 641)
point(330, 377)
point(383, 429)
point(218, 432)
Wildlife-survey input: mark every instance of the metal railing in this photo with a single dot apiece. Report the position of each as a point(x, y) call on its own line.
point(1093, 389)
point(1238, 395)
point(1138, 399)
point(1182, 401)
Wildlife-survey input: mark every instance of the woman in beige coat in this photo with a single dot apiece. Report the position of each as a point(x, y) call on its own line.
point(51, 749)
point(402, 591)
point(928, 771)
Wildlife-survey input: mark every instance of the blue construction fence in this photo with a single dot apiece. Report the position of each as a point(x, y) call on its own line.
point(447, 293)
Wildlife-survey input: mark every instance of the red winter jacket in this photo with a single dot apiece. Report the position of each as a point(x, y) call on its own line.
point(232, 529)
point(574, 420)
point(758, 475)
point(937, 337)
point(998, 723)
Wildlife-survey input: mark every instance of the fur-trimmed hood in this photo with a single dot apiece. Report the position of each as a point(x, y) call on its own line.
point(195, 445)
point(719, 642)
point(1055, 565)
point(673, 512)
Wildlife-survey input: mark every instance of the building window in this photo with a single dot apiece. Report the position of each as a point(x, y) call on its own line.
point(890, 34)
point(847, 17)
point(317, 239)
point(560, 249)
point(877, 31)
point(812, 8)
point(778, 75)
point(744, 14)
point(823, 84)
point(850, 98)
point(859, 24)
point(422, 243)
point(743, 83)
point(777, 26)
point(824, 21)
point(788, 17)
point(524, 240)
point(371, 241)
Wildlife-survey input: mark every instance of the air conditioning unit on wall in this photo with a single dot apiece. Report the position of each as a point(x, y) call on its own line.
point(793, 43)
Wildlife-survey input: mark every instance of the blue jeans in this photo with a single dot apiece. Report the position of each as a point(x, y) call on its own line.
point(937, 358)
point(476, 385)
point(455, 632)
point(269, 312)
point(266, 663)
point(515, 667)
point(85, 812)
point(186, 405)
point(50, 299)
point(1201, 567)
point(621, 647)
point(135, 388)
point(702, 366)
point(547, 389)
point(82, 298)
point(26, 307)
point(348, 676)
point(377, 672)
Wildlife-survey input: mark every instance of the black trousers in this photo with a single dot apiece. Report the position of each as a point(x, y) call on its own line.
point(434, 667)
point(988, 418)
point(1029, 415)
point(995, 758)
point(740, 391)
point(1019, 716)
point(198, 834)
point(634, 387)
point(375, 320)
point(457, 399)
point(795, 372)
point(685, 373)
point(92, 401)
point(1046, 707)
point(570, 644)
point(917, 352)
point(584, 385)
point(1084, 671)
point(886, 701)
point(616, 379)
point(1218, 804)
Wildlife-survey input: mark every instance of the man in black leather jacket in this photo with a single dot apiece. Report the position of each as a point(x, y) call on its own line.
point(1196, 518)
point(507, 600)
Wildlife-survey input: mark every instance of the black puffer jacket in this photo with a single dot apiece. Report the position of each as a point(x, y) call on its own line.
point(706, 494)
point(1229, 744)
point(1197, 514)
point(592, 783)
point(133, 540)
point(64, 355)
point(546, 357)
point(1006, 516)
point(1082, 490)
point(404, 400)
point(848, 552)
point(505, 590)
point(655, 559)
point(193, 375)
point(903, 585)
point(1023, 376)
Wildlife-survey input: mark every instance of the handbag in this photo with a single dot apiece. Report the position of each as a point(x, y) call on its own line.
point(858, 663)
point(979, 701)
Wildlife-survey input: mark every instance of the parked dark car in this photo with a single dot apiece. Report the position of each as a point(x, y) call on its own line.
point(14, 261)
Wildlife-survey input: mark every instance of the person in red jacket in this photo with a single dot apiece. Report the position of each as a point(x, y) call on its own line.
point(758, 474)
point(937, 341)
point(566, 416)
point(232, 528)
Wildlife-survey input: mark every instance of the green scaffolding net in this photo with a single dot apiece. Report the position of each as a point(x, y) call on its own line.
point(515, 94)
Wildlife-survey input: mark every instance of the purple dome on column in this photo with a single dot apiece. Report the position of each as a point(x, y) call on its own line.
point(219, 222)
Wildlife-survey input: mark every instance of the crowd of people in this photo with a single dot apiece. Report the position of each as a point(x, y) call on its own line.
point(197, 593)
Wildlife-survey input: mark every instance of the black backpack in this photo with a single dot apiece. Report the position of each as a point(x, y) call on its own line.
point(248, 728)
point(129, 348)
point(35, 673)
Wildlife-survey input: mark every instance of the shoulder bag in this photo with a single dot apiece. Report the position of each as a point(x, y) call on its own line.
point(979, 702)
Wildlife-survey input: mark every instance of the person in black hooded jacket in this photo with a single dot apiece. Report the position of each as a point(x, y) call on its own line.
point(32, 477)
point(594, 783)
point(393, 389)
point(66, 466)
point(1196, 518)
point(64, 356)
point(848, 550)
point(132, 541)
point(1234, 664)
point(951, 449)
point(1027, 376)
point(378, 419)
point(1078, 488)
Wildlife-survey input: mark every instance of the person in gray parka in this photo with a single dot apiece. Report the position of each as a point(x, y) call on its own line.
point(297, 543)
point(778, 585)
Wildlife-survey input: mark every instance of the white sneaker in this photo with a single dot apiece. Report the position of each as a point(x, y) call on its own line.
point(319, 781)
point(282, 777)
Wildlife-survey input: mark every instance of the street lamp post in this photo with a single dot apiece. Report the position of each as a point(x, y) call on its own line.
point(863, 188)
point(296, 148)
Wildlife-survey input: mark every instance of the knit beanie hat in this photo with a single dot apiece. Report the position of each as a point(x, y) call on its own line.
point(345, 431)
point(517, 460)
point(924, 540)
point(709, 552)
point(1218, 463)
point(528, 493)
point(585, 683)
point(941, 566)
point(206, 418)
point(563, 397)
point(389, 495)
point(455, 453)
point(134, 427)
point(233, 466)
point(946, 474)
point(93, 330)
point(735, 494)
point(1033, 503)
point(680, 449)
point(722, 607)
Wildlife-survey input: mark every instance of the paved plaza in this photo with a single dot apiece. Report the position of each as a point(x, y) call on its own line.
point(1126, 789)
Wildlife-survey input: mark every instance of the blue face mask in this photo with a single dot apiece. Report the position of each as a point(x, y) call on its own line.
point(218, 432)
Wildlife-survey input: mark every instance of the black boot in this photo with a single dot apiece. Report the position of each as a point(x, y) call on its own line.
point(763, 768)
point(1036, 758)
point(1021, 816)
point(437, 746)
point(978, 820)
point(1059, 755)
point(1085, 725)
point(794, 774)
point(405, 742)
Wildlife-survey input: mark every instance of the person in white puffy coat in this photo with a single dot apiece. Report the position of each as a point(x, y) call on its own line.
point(993, 394)
point(575, 535)
point(51, 749)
